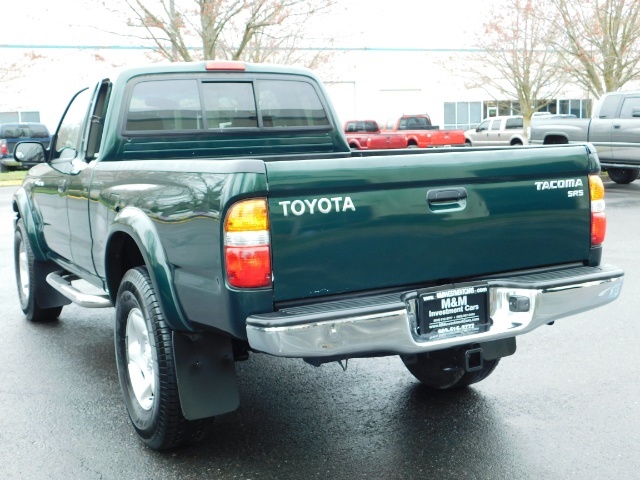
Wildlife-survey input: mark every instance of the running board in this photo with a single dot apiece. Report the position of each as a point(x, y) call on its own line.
point(61, 281)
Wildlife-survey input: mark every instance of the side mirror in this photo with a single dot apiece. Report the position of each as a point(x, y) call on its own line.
point(29, 153)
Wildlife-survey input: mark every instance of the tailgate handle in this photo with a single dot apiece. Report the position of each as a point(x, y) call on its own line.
point(447, 200)
point(448, 195)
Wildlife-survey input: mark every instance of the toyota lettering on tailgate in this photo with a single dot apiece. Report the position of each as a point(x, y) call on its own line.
point(322, 205)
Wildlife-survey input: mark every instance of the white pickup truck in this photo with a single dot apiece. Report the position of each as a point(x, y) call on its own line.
point(612, 129)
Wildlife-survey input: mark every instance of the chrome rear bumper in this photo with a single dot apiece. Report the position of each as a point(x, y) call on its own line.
point(387, 324)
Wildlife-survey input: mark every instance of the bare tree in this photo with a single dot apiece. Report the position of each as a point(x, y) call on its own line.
point(9, 71)
point(257, 30)
point(600, 44)
point(515, 60)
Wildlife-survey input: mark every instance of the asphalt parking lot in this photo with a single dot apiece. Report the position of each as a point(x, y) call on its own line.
point(566, 405)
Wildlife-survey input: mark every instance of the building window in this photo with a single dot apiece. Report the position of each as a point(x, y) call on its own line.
point(462, 115)
point(577, 107)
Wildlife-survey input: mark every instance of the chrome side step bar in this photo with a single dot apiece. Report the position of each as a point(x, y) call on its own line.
point(61, 281)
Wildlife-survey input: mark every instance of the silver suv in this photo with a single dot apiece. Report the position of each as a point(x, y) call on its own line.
point(497, 131)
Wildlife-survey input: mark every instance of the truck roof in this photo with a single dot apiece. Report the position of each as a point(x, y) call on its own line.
point(211, 66)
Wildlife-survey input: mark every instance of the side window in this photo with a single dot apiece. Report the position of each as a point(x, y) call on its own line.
point(164, 105)
point(290, 104)
point(69, 140)
point(513, 123)
point(484, 126)
point(609, 106)
point(630, 105)
point(496, 124)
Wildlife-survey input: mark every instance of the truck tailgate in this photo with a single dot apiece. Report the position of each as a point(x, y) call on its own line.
point(362, 223)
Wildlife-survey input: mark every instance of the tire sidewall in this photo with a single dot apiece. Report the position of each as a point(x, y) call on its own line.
point(27, 303)
point(623, 176)
point(146, 422)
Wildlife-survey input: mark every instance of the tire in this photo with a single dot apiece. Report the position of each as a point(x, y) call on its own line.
point(623, 176)
point(27, 280)
point(443, 369)
point(146, 368)
point(516, 143)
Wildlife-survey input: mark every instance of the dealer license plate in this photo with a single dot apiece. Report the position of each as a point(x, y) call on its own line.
point(455, 312)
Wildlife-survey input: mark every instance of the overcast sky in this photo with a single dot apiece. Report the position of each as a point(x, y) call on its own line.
point(388, 24)
point(397, 24)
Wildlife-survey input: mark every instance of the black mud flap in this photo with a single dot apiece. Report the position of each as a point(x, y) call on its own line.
point(206, 374)
point(48, 297)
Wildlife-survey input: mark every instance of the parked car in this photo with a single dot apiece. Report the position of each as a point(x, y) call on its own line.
point(504, 130)
point(12, 133)
point(366, 135)
point(421, 133)
point(612, 129)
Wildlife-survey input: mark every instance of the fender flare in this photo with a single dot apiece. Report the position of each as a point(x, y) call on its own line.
point(23, 208)
point(141, 229)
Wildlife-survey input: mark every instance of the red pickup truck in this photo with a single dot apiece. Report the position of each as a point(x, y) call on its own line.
point(421, 133)
point(366, 135)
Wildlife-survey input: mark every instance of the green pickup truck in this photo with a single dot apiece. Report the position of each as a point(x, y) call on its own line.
point(218, 207)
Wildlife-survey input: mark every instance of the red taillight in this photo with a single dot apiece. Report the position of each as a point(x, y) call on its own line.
point(598, 217)
point(247, 244)
point(3, 147)
point(248, 267)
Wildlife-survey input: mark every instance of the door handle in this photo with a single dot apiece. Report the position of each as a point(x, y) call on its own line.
point(62, 185)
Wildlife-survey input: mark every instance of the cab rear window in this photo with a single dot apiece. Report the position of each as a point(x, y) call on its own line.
point(24, 131)
point(191, 104)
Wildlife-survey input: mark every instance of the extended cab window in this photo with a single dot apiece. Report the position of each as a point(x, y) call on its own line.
point(630, 107)
point(609, 106)
point(184, 104)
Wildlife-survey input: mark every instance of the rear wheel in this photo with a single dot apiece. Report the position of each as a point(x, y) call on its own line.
point(146, 368)
point(444, 369)
point(623, 176)
point(27, 280)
